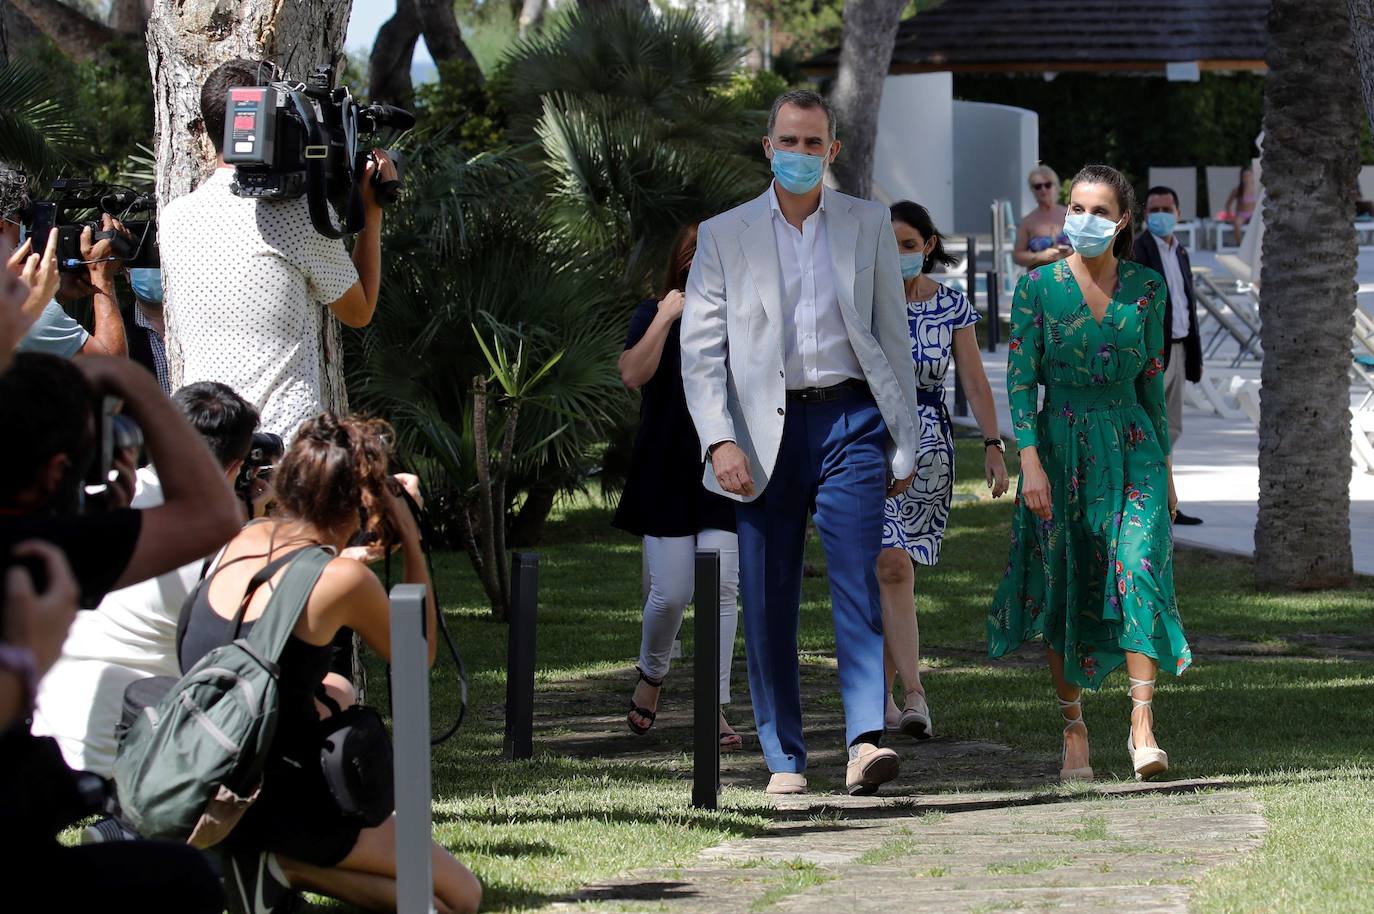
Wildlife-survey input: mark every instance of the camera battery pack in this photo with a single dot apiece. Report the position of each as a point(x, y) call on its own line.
point(250, 126)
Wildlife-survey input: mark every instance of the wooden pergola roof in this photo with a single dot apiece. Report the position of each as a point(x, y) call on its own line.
point(1060, 36)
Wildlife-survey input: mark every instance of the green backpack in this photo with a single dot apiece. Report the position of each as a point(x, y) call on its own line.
point(189, 767)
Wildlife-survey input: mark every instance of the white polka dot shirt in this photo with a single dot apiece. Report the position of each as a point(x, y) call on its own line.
point(247, 283)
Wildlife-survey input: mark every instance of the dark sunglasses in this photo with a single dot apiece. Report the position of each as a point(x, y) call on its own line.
point(1041, 185)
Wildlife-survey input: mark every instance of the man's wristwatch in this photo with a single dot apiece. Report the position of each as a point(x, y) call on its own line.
point(994, 442)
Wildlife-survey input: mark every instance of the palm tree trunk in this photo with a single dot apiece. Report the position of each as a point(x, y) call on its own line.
point(488, 514)
point(1362, 32)
point(77, 34)
point(392, 55)
point(870, 30)
point(442, 35)
point(1307, 300)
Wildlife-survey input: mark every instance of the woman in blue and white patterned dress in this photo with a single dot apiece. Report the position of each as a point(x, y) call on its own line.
point(941, 323)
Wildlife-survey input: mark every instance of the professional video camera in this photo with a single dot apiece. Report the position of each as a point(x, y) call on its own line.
point(77, 204)
point(292, 139)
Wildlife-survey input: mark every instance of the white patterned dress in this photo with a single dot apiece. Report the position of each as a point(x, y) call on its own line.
point(915, 520)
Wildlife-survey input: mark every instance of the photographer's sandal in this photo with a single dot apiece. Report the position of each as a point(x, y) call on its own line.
point(643, 713)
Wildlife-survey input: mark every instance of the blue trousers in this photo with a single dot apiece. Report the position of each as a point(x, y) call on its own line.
point(831, 463)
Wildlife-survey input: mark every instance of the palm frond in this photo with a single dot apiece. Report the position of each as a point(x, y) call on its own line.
point(35, 133)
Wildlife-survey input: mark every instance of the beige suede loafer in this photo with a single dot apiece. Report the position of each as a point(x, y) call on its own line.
point(869, 768)
point(784, 782)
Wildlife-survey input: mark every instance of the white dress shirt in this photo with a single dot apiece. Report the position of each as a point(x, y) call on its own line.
point(1178, 292)
point(817, 351)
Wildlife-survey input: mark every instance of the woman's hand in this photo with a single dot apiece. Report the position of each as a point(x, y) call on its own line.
point(672, 304)
point(1035, 487)
point(995, 468)
point(1173, 497)
point(399, 517)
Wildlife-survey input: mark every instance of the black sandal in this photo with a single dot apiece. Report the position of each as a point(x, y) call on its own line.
point(651, 716)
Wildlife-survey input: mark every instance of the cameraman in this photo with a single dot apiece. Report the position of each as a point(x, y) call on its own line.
point(131, 635)
point(49, 406)
point(247, 279)
point(54, 331)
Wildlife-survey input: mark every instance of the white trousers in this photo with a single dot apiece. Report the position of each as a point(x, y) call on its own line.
point(672, 579)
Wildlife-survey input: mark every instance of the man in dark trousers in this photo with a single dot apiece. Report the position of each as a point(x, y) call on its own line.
point(1159, 250)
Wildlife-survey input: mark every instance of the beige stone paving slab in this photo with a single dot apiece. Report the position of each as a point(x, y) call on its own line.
point(1125, 848)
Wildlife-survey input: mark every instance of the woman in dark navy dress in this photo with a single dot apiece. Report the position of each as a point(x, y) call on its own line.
point(664, 500)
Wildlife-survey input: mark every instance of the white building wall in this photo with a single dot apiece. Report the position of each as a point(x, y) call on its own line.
point(995, 149)
point(914, 153)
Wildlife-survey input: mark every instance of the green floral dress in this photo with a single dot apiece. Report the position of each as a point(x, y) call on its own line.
point(1097, 579)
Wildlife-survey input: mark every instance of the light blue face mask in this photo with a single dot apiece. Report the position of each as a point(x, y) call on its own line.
point(797, 172)
point(912, 264)
point(1090, 235)
point(147, 284)
point(1161, 225)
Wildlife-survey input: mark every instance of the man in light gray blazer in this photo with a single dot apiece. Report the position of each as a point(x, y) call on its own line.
point(797, 366)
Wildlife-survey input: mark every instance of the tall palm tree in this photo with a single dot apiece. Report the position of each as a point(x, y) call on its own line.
point(1307, 299)
point(631, 130)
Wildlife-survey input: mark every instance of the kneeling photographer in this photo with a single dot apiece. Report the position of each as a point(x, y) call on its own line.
point(246, 272)
point(297, 835)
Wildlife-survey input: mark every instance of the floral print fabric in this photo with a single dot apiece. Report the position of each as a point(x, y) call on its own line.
point(1097, 579)
point(915, 520)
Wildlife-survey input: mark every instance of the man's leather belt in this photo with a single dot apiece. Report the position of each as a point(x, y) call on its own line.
point(827, 394)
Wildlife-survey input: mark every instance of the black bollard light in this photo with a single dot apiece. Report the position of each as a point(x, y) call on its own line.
point(994, 319)
point(524, 589)
point(706, 700)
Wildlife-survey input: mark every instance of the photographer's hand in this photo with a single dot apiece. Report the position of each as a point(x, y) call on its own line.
point(42, 276)
point(14, 323)
point(379, 164)
point(107, 332)
point(39, 621)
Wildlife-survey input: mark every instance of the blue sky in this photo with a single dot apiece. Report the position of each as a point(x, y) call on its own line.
point(368, 16)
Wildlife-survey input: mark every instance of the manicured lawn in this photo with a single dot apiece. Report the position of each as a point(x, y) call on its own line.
point(1296, 726)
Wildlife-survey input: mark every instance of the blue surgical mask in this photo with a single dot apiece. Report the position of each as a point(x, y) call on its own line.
point(1090, 235)
point(912, 264)
point(796, 172)
point(147, 284)
point(1161, 225)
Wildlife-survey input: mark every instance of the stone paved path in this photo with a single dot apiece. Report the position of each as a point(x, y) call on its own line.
point(1029, 845)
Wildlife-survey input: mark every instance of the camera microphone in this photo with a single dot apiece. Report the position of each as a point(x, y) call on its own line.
point(390, 116)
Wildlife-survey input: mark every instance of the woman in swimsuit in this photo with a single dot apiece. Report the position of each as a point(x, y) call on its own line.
point(1040, 237)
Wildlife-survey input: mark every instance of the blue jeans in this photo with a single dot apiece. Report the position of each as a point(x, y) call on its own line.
point(832, 463)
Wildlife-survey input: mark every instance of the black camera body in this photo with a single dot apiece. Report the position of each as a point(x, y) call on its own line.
point(263, 454)
point(288, 140)
point(77, 204)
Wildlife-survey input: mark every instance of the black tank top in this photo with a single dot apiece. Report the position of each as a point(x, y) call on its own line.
point(303, 665)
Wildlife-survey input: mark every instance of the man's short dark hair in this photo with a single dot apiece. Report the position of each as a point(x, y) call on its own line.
point(46, 408)
point(1160, 190)
point(806, 100)
point(224, 419)
point(229, 75)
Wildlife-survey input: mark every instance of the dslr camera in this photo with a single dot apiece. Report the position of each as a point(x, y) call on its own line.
point(288, 140)
point(75, 204)
point(263, 455)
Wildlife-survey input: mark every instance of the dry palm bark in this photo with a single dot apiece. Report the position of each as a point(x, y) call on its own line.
point(1307, 299)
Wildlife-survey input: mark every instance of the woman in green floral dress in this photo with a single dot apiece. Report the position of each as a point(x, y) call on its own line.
point(1091, 567)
